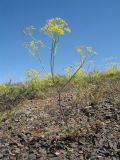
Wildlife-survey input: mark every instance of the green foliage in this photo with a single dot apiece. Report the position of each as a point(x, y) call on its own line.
point(10, 95)
point(111, 71)
point(48, 131)
point(13, 94)
point(32, 74)
point(1, 116)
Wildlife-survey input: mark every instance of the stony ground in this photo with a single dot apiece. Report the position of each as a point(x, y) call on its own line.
point(35, 130)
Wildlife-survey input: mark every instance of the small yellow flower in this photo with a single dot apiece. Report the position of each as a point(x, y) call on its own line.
point(55, 26)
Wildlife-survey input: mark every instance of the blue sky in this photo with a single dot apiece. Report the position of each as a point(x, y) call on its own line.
point(95, 23)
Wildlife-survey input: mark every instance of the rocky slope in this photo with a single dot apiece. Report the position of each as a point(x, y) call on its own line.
point(35, 130)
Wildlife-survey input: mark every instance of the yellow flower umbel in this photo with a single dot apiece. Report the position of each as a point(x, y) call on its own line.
point(55, 26)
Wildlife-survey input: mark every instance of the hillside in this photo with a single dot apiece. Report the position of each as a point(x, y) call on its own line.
point(32, 128)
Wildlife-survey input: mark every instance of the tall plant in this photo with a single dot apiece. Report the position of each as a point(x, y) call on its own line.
point(54, 29)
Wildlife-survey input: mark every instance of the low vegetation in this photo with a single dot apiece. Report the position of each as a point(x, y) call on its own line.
point(96, 83)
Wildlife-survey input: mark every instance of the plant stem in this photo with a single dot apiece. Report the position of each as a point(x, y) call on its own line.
point(81, 65)
point(52, 60)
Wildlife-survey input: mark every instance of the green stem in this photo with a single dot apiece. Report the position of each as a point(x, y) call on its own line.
point(81, 65)
point(38, 57)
